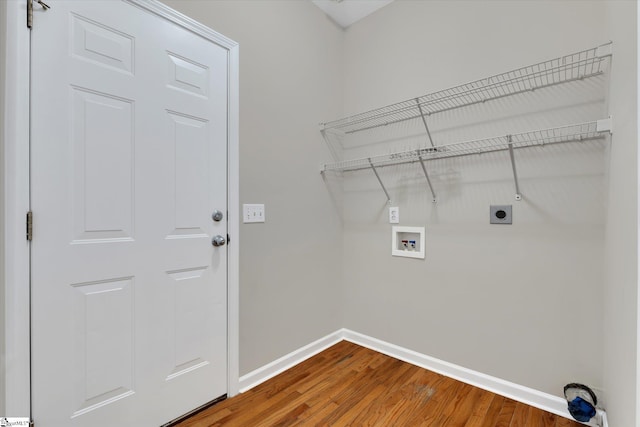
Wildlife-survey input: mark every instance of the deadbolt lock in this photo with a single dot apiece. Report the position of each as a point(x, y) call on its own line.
point(217, 215)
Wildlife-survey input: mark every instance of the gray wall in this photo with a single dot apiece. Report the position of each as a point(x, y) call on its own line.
point(621, 281)
point(520, 302)
point(290, 79)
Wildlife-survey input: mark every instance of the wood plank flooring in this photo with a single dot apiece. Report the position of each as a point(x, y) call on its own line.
point(349, 385)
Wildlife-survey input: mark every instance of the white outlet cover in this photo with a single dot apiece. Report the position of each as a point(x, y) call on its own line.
point(253, 213)
point(394, 215)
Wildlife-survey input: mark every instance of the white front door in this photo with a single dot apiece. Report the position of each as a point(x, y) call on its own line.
point(129, 161)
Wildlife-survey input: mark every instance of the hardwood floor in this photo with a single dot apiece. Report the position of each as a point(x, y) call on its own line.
point(349, 385)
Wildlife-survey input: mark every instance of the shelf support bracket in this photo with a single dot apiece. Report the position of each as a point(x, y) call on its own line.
point(605, 125)
point(424, 121)
point(373, 168)
point(426, 175)
point(513, 166)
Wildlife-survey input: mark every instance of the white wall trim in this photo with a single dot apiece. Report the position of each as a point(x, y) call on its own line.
point(547, 402)
point(16, 204)
point(184, 21)
point(16, 363)
point(233, 224)
point(288, 361)
point(637, 420)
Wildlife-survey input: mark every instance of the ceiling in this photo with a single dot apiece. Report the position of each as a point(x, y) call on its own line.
point(346, 12)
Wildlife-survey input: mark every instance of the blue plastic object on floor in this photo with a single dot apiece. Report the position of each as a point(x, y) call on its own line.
point(581, 410)
point(581, 401)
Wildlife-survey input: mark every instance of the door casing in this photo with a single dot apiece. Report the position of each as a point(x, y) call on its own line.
point(16, 199)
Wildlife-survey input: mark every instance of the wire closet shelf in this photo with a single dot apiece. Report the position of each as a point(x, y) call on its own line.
point(575, 66)
point(571, 133)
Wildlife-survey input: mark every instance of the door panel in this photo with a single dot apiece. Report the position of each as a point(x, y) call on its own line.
point(189, 138)
point(128, 152)
point(103, 137)
point(103, 346)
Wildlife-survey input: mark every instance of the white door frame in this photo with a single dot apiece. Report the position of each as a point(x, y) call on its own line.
point(16, 255)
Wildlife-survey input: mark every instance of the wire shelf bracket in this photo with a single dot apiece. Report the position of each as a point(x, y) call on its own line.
point(426, 175)
point(424, 121)
point(605, 125)
point(373, 168)
point(513, 166)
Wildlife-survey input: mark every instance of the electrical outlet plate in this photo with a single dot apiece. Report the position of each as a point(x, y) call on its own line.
point(394, 215)
point(252, 213)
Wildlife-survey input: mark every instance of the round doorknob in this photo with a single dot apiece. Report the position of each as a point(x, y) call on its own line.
point(218, 241)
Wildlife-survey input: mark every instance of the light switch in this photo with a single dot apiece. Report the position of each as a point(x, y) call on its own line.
point(252, 213)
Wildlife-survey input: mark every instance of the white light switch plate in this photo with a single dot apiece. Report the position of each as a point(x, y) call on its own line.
point(394, 215)
point(252, 213)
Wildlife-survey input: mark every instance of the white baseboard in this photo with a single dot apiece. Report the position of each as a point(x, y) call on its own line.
point(288, 361)
point(547, 402)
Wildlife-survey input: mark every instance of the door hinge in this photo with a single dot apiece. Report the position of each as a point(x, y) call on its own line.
point(29, 14)
point(30, 11)
point(29, 226)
